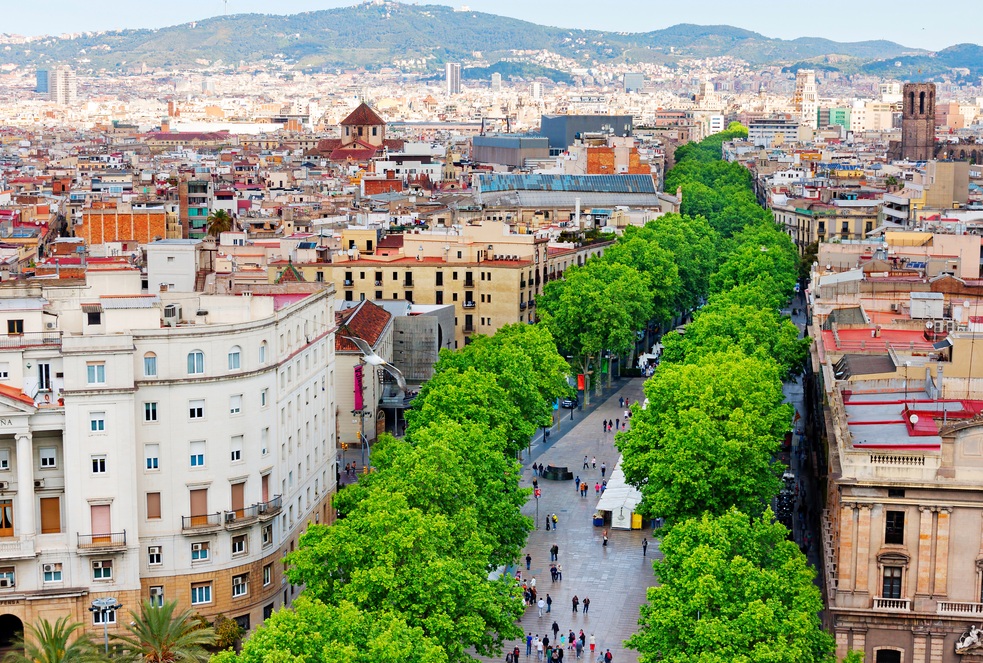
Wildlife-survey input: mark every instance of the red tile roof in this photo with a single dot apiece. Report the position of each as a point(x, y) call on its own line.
point(16, 394)
point(363, 115)
point(366, 321)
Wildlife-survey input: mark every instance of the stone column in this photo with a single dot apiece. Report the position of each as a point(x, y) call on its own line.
point(919, 653)
point(842, 643)
point(924, 552)
point(938, 644)
point(863, 550)
point(24, 523)
point(941, 587)
point(859, 638)
point(844, 563)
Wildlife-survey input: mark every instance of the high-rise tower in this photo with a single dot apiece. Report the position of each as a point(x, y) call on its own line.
point(452, 72)
point(806, 98)
point(918, 122)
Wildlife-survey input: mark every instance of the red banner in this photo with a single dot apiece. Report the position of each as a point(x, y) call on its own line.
point(580, 381)
point(358, 387)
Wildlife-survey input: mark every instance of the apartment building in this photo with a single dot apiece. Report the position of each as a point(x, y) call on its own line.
point(163, 447)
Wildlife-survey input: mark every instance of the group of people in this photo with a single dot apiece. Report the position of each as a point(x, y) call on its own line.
point(551, 650)
point(351, 469)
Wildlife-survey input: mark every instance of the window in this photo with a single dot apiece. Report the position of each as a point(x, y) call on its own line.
point(95, 372)
point(102, 569)
point(97, 422)
point(196, 362)
point(440, 278)
point(240, 585)
point(201, 593)
point(198, 453)
point(50, 515)
point(196, 409)
point(267, 611)
point(152, 454)
point(153, 556)
point(15, 327)
point(264, 397)
point(48, 457)
point(242, 621)
point(153, 506)
point(267, 574)
point(150, 365)
point(52, 572)
point(44, 377)
point(99, 464)
point(267, 535)
point(894, 527)
point(93, 317)
point(262, 352)
point(157, 596)
point(239, 544)
point(5, 371)
point(892, 582)
point(264, 441)
point(4, 459)
point(199, 551)
point(150, 411)
point(235, 404)
point(236, 448)
point(235, 358)
point(108, 617)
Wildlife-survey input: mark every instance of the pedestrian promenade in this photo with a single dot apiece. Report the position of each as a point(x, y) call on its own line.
point(615, 577)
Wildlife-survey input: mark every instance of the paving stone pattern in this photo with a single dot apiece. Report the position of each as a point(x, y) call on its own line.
point(615, 577)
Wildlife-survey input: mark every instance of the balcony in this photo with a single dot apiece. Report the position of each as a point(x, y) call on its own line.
point(378, 284)
point(100, 543)
point(469, 283)
point(468, 303)
point(959, 609)
point(532, 303)
point(349, 283)
point(468, 329)
point(522, 284)
point(17, 549)
point(239, 518)
point(408, 285)
point(522, 306)
point(30, 339)
point(267, 510)
point(892, 605)
point(203, 523)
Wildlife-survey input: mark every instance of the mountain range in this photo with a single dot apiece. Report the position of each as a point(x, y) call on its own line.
point(375, 35)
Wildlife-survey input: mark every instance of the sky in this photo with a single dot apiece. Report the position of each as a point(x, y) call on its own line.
point(868, 19)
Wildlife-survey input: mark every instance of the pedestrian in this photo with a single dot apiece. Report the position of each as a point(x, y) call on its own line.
point(593, 462)
point(608, 656)
point(586, 604)
point(627, 416)
point(547, 522)
point(539, 650)
point(571, 639)
point(555, 552)
point(563, 640)
point(592, 643)
point(576, 602)
point(532, 583)
point(585, 461)
point(597, 488)
point(542, 605)
point(645, 547)
point(582, 638)
point(554, 521)
point(509, 658)
point(605, 536)
point(515, 654)
point(579, 646)
point(553, 572)
point(559, 572)
point(616, 424)
point(546, 641)
point(529, 643)
point(576, 482)
point(556, 629)
point(535, 483)
point(549, 603)
point(621, 402)
point(535, 470)
point(604, 468)
point(528, 561)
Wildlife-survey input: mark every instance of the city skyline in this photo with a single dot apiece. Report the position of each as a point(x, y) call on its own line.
point(865, 22)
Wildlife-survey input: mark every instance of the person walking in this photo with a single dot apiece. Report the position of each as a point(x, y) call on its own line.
point(604, 468)
point(621, 402)
point(528, 561)
point(553, 516)
point(607, 656)
point(548, 526)
point(556, 629)
point(593, 642)
point(576, 482)
point(597, 488)
point(579, 646)
point(616, 423)
point(576, 602)
point(604, 535)
point(542, 605)
point(582, 638)
point(585, 461)
point(593, 462)
point(532, 583)
point(645, 547)
point(553, 572)
point(509, 658)
point(554, 551)
point(529, 644)
point(559, 572)
point(549, 603)
point(515, 654)
point(539, 649)
point(571, 638)
point(586, 604)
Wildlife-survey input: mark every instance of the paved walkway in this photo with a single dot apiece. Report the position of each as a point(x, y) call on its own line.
point(615, 577)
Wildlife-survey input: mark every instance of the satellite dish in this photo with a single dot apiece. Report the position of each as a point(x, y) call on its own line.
point(966, 303)
point(913, 419)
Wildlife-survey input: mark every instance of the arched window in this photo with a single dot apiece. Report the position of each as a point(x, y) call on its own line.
point(262, 352)
point(196, 362)
point(921, 103)
point(235, 358)
point(150, 365)
point(911, 103)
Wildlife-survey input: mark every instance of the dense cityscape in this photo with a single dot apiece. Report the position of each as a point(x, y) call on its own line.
point(397, 301)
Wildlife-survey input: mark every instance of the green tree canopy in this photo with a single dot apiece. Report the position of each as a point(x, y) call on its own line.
point(219, 222)
point(61, 642)
point(315, 632)
point(732, 590)
point(656, 263)
point(705, 441)
point(161, 634)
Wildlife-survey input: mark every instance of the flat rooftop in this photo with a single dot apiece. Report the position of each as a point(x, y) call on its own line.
point(902, 420)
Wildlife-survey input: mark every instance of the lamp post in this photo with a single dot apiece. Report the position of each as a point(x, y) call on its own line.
point(906, 365)
point(104, 606)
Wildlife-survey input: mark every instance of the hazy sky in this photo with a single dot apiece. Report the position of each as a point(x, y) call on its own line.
point(905, 21)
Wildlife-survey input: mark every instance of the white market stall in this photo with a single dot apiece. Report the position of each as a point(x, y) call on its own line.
point(619, 500)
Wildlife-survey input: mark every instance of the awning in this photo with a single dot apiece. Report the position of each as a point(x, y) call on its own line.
point(91, 308)
point(943, 344)
point(619, 498)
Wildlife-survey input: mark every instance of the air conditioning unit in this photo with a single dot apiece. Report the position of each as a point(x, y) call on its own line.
point(6, 582)
point(172, 315)
point(894, 307)
point(230, 517)
point(154, 550)
point(48, 568)
point(156, 591)
point(238, 582)
point(49, 325)
point(39, 483)
point(4, 485)
point(262, 508)
point(197, 547)
point(97, 565)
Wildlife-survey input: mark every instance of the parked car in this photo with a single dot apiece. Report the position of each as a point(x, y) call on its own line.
point(570, 402)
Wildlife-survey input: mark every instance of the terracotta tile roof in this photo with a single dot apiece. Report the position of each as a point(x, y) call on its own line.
point(355, 154)
point(18, 395)
point(290, 274)
point(391, 242)
point(363, 115)
point(366, 321)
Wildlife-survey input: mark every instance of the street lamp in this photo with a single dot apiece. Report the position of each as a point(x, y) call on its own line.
point(104, 606)
point(362, 440)
point(906, 365)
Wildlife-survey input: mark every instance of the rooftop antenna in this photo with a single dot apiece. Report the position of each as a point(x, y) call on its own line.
point(226, 3)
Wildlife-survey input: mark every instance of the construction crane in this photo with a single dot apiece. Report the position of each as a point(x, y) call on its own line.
point(508, 123)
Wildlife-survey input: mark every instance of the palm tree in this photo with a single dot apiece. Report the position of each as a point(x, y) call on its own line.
point(158, 635)
point(219, 222)
point(53, 643)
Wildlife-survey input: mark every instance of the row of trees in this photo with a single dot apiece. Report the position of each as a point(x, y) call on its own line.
point(732, 586)
point(404, 575)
